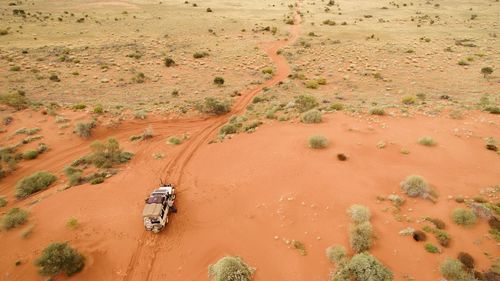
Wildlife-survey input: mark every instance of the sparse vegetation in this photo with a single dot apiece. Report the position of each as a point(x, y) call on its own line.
point(427, 141)
point(174, 140)
point(3, 201)
point(15, 99)
point(14, 218)
point(214, 106)
point(463, 216)
point(219, 81)
point(453, 270)
point(34, 183)
point(60, 258)
point(318, 142)
point(230, 269)
point(305, 102)
point(376, 111)
point(415, 186)
point(199, 55)
point(431, 248)
point(359, 213)
point(72, 223)
point(336, 254)
point(361, 237)
point(409, 100)
point(311, 116)
point(84, 129)
point(106, 154)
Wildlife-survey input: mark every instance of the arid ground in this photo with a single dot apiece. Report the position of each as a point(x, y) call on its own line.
point(380, 75)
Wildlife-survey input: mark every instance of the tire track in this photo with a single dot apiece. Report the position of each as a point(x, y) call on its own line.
point(142, 262)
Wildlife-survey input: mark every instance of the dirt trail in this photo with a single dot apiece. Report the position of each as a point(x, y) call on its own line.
point(143, 260)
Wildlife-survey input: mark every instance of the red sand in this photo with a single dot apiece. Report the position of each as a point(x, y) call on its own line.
point(235, 197)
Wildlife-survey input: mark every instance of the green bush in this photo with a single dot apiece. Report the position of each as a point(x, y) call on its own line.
point(84, 130)
point(72, 223)
point(376, 111)
point(174, 140)
point(361, 237)
point(214, 106)
point(169, 62)
point(219, 81)
point(408, 100)
point(267, 70)
point(427, 141)
point(311, 84)
point(493, 109)
point(318, 142)
point(463, 216)
point(431, 248)
point(453, 270)
point(336, 254)
point(230, 269)
point(30, 154)
point(3, 201)
point(337, 106)
point(229, 129)
point(252, 126)
point(311, 116)
point(365, 267)
point(359, 213)
point(14, 218)
point(199, 55)
point(16, 100)
point(305, 102)
point(415, 186)
point(60, 258)
point(74, 175)
point(34, 183)
point(106, 154)
point(98, 109)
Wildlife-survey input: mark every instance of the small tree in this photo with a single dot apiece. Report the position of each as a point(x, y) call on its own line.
point(486, 71)
point(219, 81)
point(230, 269)
point(60, 258)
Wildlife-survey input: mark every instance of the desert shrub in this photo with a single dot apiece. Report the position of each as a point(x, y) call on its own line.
point(148, 133)
point(140, 114)
point(305, 102)
point(16, 100)
point(98, 109)
point(34, 183)
point(169, 62)
point(318, 142)
point(415, 186)
point(427, 141)
point(361, 237)
point(84, 129)
point(79, 106)
point(300, 247)
point(442, 237)
point(219, 81)
point(463, 216)
point(376, 111)
point(230, 269)
point(452, 270)
point(14, 218)
point(337, 106)
point(493, 109)
point(199, 55)
point(359, 213)
point(419, 236)
point(436, 222)
point(3, 201)
point(311, 116)
point(30, 154)
point(174, 140)
point(336, 254)
point(74, 175)
point(214, 106)
point(229, 129)
point(341, 157)
point(466, 259)
point(15, 68)
point(431, 248)
point(367, 268)
point(27, 232)
point(60, 258)
point(408, 100)
point(252, 126)
point(72, 223)
point(96, 180)
point(267, 70)
point(486, 71)
point(106, 154)
point(311, 84)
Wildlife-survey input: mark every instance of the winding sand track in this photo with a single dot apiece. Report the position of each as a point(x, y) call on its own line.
point(144, 259)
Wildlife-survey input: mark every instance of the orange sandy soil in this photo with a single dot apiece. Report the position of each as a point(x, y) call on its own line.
point(246, 196)
point(250, 194)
